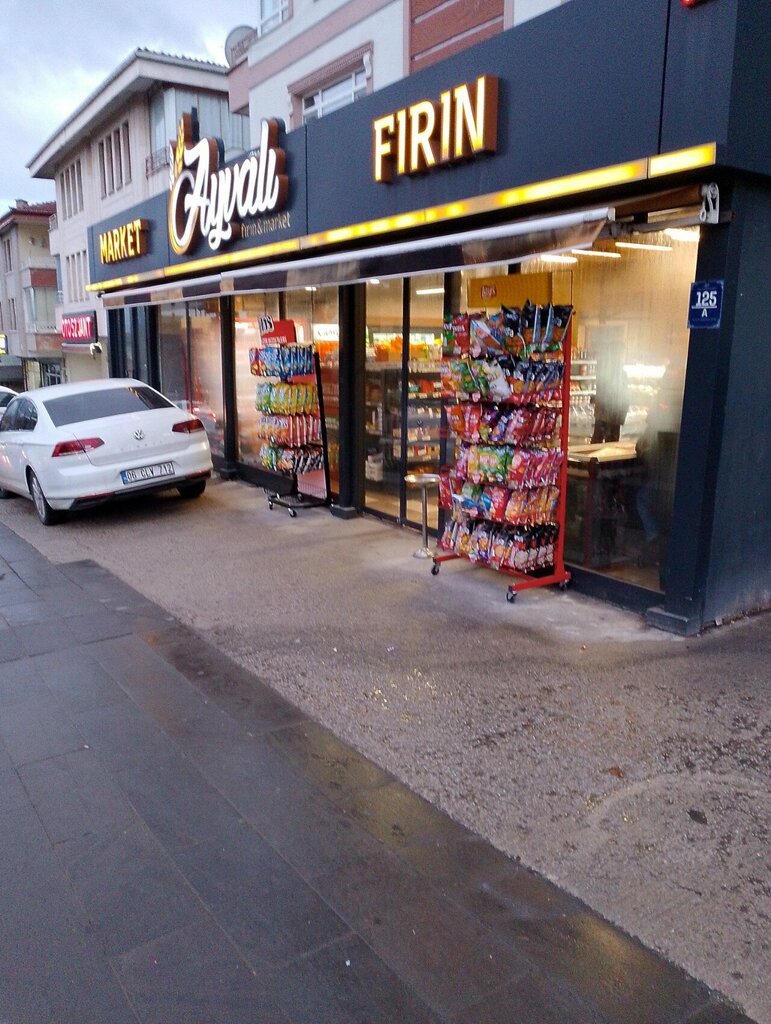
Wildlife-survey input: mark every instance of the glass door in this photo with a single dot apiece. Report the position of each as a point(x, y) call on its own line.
point(383, 397)
point(423, 405)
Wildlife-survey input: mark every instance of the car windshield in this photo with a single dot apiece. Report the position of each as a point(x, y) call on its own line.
point(95, 405)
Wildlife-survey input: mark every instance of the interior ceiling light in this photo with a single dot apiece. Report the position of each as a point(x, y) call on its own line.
point(597, 252)
point(644, 245)
point(429, 291)
point(683, 234)
point(556, 258)
point(310, 288)
point(374, 280)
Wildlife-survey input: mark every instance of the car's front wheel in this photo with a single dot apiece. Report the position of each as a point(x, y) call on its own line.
point(192, 490)
point(47, 515)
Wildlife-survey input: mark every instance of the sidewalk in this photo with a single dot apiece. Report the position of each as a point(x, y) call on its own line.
point(189, 847)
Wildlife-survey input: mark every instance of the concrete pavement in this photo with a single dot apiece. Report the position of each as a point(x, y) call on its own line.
point(623, 763)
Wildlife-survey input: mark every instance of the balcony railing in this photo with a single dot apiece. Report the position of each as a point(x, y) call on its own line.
point(157, 161)
point(41, 327)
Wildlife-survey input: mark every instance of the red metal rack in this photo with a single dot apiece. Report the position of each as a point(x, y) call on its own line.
point(557, 575)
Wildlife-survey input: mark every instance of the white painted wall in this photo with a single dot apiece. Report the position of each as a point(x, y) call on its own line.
point(517, 11)
point(384, 29)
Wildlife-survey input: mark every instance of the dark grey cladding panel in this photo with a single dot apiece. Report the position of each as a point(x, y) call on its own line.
point(697, 87)
point(580, 87)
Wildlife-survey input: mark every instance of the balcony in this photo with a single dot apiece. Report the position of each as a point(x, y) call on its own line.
point(41, 327)
point(157, 161)
point(53, 223)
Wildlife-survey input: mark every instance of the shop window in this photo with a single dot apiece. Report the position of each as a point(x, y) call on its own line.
point(248, 310)
point(316, 315)
point(206, 396)
point(173, 353)
point(630, 345)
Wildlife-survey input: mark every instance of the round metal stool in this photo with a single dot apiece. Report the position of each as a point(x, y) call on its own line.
point(423, 481)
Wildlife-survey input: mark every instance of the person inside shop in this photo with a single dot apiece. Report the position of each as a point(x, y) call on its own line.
point(656, 452)
point(611, 402)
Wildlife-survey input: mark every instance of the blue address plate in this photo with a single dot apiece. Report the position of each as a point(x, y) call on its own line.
point(135, 476)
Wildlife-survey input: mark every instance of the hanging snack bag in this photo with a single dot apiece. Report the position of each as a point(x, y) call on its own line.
point(487, 422)
point(472, 416)
point(561, 320)
point(457, 419)
point(511, 328)
point(531, 323)
point(498, 387)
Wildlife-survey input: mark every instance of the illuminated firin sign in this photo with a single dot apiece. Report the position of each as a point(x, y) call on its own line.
point(461, 124)
point(210, 200)
point(123, 243)
point(78, 327)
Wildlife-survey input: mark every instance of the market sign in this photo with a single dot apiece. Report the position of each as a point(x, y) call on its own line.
point(706, 305)
point(78, 327)
point(463, 123)
point(209, 200)
point(123, 243)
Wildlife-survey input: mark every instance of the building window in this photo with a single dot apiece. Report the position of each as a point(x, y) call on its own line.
point(12, 317)
point(1, 317)
point(272, 14)
point(332, 97)
point(114, 155)
point(50, 373)
point(71, 190)
point(7, 255)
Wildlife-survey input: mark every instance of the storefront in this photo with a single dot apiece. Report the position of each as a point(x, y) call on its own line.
point(478, 184)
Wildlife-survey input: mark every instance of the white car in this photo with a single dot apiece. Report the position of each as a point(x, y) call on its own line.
point(71, 446)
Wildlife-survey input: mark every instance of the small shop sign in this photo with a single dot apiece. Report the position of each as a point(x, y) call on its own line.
point(78, 327)
point(706, 305)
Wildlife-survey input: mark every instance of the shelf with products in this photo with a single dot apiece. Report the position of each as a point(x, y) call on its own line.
point(290, 425)
point(507, 390)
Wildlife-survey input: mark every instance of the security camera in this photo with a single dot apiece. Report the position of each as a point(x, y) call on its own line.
point(95, 348)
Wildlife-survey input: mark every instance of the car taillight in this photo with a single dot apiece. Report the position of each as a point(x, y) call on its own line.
point(187, 426)
point(79, 447)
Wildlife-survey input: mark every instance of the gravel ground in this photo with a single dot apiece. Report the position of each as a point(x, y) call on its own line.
point(627, 765)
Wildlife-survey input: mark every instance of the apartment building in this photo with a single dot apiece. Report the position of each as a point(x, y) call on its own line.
point(306, 58)
point(30, 346)
point(110, 154)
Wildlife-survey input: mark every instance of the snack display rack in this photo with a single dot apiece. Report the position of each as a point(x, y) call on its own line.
point(506, 385)
point(294, 468)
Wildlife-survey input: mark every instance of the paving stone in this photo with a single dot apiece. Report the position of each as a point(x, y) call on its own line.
point(449, 958)
point(79, 682)
point(346, 983)
point(399, 818)
point(33, 731)
point(336, 768)
point(530, 1000)
point(131, 890)
point(74, 796)
point(194, 976)
point(609, 972)
point(122, 736)
point(295, 817)
point(177, 803)
point(270, 914)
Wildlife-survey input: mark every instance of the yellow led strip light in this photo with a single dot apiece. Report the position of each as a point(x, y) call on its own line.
point(573, 184)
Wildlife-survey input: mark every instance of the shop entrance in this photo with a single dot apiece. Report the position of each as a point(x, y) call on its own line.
point(402, 393)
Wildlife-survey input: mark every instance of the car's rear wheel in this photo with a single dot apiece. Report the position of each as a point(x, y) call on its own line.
point(47, 515)
point(192, 490)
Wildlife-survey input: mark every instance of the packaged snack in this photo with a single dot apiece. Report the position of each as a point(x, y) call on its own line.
point(472, 416)
point(515, 507)
point(561, 319)
point(511, 326)
point(487, 421)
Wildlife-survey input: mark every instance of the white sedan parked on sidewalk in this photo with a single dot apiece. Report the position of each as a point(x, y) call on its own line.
point(74, 445)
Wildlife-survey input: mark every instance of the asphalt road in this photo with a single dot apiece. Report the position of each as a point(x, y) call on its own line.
point(628, 766)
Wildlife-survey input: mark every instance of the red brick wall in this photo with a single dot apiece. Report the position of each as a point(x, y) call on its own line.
point(439, 28)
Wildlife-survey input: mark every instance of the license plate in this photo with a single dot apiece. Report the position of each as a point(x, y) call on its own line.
point(133, 476)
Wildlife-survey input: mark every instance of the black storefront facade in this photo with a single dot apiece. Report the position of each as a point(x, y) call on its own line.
point(632, 142)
